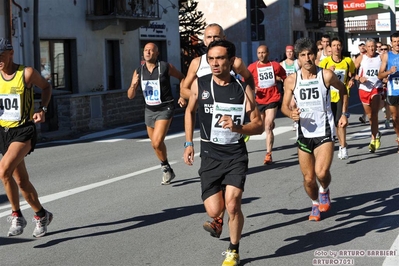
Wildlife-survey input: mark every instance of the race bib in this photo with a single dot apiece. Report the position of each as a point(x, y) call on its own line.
point(152, 92)
point(395, 83)
point(340, 73)
point(10, 107)
point(220, 135)
point(266, 77)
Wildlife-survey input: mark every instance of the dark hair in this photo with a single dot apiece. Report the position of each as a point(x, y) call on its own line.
point(231, 49)
point(326, 36)
point(305, 44)
point(394, 35)
point(337, 40)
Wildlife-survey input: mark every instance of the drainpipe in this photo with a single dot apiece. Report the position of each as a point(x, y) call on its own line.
point(21, 34)
point(392, 12)
point(7, 20)
point(249, 33)
point(36, 39)
point(341, 25)
point(290, 22)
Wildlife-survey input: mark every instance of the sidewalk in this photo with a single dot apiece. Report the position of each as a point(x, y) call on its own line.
point(54, 135)
point(66, 135)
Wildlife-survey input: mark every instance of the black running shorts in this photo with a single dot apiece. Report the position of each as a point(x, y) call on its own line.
point(263, 107)
point(308, 145)
point(215, 174)
point(336, 109)
point(19, 134)
point(393, 100)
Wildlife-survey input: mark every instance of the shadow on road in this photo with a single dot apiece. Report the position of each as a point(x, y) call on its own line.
point(13, 240)
point(131, 223)
point(353, 222)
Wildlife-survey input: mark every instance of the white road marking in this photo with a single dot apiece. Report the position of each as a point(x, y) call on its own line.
point(172, 136)
point(366, 133)
point(123, 137)
point(276, 131)
point(70, 192)
point(393, 261)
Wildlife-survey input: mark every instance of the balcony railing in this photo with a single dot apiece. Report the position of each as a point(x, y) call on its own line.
point(357, 25)
point(135, 13)
point(360, 25)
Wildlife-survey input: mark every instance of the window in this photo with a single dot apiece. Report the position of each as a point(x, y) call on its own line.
point(114, 81)
point(298, 35)
point(58, 64)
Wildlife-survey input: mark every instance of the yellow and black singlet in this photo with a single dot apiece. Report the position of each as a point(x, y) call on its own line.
point(16, 100)
point(342, 70)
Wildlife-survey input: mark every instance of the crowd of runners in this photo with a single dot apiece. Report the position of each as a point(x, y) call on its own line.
point(231, 102)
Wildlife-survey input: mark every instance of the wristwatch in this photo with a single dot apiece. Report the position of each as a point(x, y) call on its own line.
point(346, 114)
point(188, 143)
point(43, 108)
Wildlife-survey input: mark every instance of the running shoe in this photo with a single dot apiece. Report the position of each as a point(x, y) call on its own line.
point(325, 202)
point(214, 228)
point(372, 146)
point(362, 119)
point(315, 213)
point(387, 125)
point(18, 223)
point(268, 158)
point(41, 224)
point(246, 138)
point(168, 174)
point(339, 153)
point(232, 258)
point(343, 153)
point(378, 141)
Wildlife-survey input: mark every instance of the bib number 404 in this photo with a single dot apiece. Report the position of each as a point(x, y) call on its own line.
point(8, 104)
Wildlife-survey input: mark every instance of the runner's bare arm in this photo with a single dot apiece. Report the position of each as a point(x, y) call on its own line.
point(185, 84)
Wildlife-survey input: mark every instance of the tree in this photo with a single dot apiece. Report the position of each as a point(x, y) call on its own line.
point(191, 24)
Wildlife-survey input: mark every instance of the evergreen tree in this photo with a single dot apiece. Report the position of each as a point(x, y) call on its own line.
point(191, 24)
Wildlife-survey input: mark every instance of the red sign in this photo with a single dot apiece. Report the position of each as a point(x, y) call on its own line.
point(348, 6)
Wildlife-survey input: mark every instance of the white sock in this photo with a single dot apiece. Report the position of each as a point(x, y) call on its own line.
point(323, 190)
point(315, 202)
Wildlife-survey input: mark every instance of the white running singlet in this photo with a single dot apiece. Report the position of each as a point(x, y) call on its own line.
point(369, 67)
point(314, 102)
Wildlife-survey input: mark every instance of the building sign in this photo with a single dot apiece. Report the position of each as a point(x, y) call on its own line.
point(385, 24)
point(156, 30)
point(348, 5)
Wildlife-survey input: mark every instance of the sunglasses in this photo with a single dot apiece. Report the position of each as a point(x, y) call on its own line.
point(384, 49)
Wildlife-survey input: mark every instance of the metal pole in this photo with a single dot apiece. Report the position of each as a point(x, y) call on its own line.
point(8, 20)
point(249, 31)
point(341, 24)
point(392, 12)
point(36, 39)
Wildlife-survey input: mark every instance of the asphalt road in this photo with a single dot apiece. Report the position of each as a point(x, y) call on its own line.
point(110, 209)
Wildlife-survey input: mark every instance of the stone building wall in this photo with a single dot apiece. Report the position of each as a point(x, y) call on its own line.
point(79, 113)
